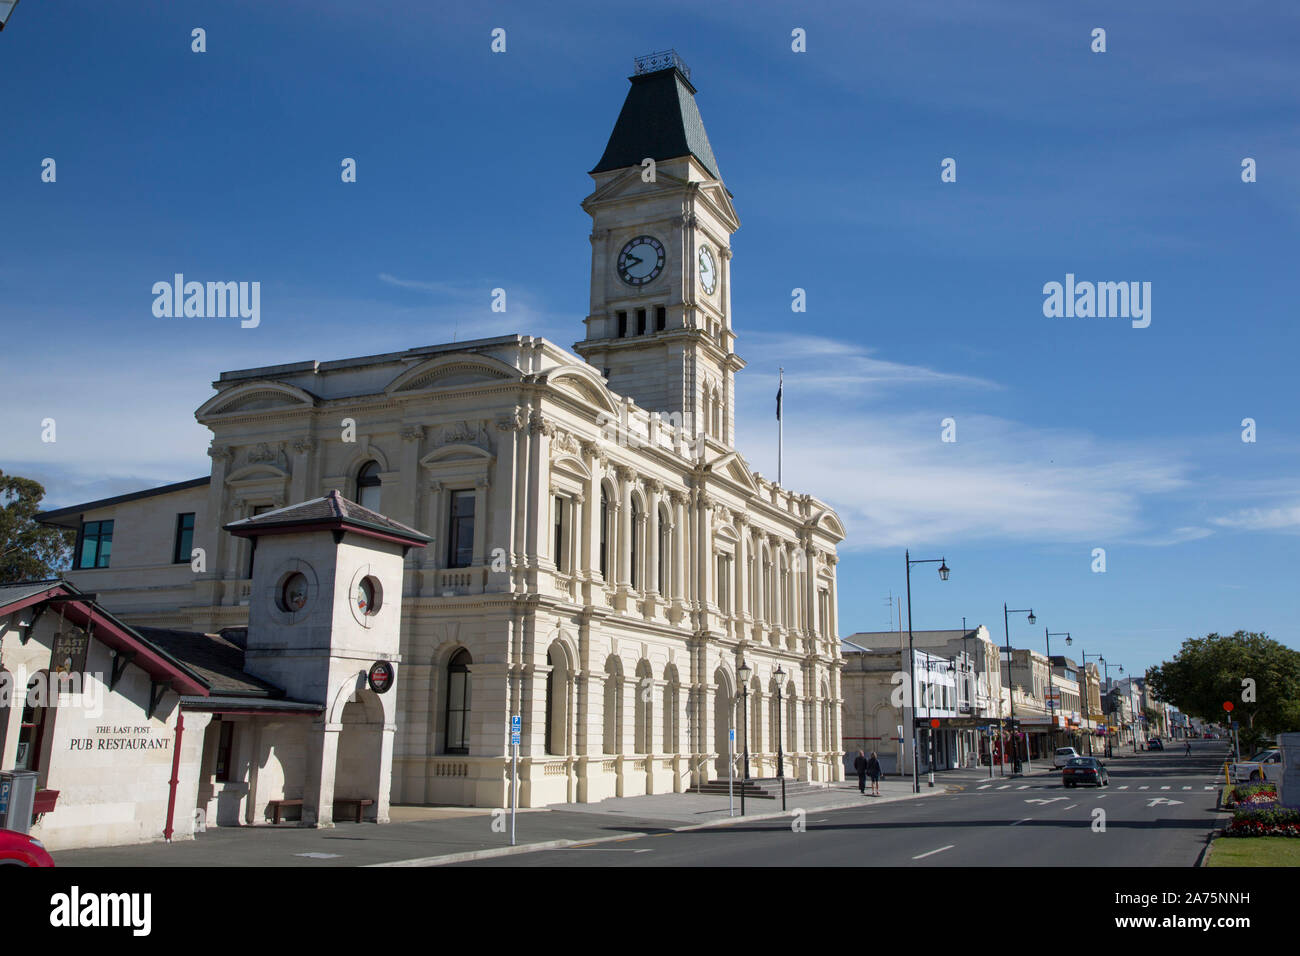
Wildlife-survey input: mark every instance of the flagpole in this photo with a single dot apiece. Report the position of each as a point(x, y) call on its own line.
point(780, 426)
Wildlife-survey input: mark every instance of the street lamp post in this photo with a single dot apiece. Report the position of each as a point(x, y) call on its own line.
point(1051, 690)
point(911, 655)
point(6, 10)
point(780, 757)
point(743, 672)
point(1006, 630)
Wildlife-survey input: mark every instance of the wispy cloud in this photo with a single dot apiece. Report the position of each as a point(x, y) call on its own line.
point(1286, 518)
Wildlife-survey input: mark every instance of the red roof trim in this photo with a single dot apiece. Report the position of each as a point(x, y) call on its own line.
point(83, 612)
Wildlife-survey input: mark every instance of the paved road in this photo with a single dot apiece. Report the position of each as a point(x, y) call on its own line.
point(1158, 811)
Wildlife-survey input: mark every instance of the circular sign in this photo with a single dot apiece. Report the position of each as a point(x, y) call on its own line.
point(381, 676)
point(934, 722)
point(1227, 705)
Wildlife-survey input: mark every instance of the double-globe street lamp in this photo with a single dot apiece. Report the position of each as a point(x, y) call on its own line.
point(1006, 630)
point(911, 660)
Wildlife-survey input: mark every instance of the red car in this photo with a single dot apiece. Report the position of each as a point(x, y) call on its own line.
point(18, 849)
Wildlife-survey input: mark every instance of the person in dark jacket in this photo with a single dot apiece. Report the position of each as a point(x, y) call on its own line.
point(860, 764)
point(873, 771)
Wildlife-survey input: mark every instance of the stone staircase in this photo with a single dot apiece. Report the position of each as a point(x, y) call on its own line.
point(764, 788)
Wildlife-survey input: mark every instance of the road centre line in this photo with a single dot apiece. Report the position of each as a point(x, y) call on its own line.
point(933, 852)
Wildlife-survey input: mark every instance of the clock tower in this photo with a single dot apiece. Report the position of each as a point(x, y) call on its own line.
point(660, 328)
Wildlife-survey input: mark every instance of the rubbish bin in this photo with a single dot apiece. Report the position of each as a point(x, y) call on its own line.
point(17, 797)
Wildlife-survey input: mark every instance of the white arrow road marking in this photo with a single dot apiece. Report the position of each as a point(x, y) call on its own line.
point(933, 852)
point(1162, 801)
point(320, 856)
point(1044, 800)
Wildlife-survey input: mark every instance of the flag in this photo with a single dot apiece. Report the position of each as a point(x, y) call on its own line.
point(779, 388)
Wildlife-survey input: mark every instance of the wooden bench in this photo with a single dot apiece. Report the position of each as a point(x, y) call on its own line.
point(360, 804)
point(276, 805)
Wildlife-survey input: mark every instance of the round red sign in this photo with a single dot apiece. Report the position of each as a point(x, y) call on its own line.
point(934, 722)
point(381, 676)
point(1227, 705)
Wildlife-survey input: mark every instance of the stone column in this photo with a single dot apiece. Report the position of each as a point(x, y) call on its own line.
point(626, 477)
point(322, 762)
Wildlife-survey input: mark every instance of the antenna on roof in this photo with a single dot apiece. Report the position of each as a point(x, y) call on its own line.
point(663, 60)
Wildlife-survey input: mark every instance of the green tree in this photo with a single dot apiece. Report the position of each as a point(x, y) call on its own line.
point(1260, 676)
point(28, 551)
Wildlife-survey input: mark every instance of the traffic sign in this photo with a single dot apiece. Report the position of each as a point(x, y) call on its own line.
point(731, 735)
point(514, 729)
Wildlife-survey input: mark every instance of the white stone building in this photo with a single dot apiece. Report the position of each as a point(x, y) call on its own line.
point(601, 557)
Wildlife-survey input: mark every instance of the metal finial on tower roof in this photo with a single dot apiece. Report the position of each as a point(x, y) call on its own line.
point(663, 60)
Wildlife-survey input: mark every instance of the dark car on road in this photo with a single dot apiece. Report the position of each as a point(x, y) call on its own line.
point(1155, 743)
point(1084, 770)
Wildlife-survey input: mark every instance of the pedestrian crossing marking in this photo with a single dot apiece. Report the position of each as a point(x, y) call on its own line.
point(1125, 787)
point(1023, 786)
point(1187, 788)
point(1164, 788)
point(985, 787)
point(1144, 788)
point(1005, 786)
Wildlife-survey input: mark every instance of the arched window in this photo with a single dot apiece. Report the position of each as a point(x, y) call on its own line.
point(604, 534)
point(368, 486)
point(635, 550)
point(458, 705)
point(665, 543)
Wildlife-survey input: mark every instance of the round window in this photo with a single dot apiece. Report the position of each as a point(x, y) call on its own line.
point(369, 596)
point(293, 596)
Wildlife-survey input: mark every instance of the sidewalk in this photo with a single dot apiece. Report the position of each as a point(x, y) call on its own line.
point(430, 836)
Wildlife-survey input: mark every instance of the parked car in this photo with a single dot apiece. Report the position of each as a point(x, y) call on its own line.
point(1154, 743)
point(1084, 770)
point(1257, 769)
point(1063, 756)
point(18, 849)
point(1207, 736)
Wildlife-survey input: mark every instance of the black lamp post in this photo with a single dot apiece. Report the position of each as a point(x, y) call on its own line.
point(1006, 630)
point(911, 655)
point(780, 757)
point(6, 10)
point(743, 672)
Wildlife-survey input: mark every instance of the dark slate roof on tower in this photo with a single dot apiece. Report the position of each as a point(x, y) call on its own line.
point(659, 120)
point(332, 510)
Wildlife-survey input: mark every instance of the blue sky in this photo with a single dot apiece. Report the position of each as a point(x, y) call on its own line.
point(924, 298)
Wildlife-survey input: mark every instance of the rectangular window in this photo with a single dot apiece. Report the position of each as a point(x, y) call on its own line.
point(561, 559)
point(724, 583)
point(96, 544)
point(184, 538)
point(225, 744)
point(640, 321)
point(622, 325)
point(460, 530)
point(661, 318)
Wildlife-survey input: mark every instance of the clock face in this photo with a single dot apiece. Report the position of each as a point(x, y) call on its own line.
point(641, 260)
point(708, 271)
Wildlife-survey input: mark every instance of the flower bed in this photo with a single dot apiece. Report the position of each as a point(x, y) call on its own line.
point(1254, 795)
point(1265, 821)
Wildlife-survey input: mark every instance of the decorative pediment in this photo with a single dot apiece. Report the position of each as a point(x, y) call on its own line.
point(630, 183)
point(734, 468)
point(255, 397)
point(583, 383)
point(829, 522)
point(455, 370)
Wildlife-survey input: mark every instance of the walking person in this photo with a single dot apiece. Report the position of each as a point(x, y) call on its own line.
point(860, 765)
point(1188, 751)
point(873, 771)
